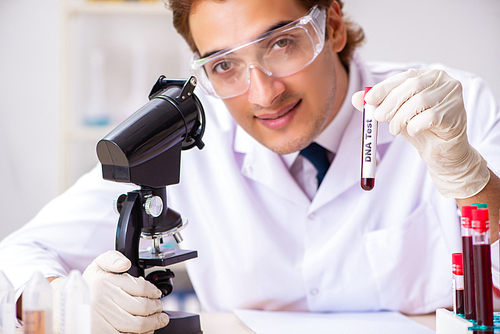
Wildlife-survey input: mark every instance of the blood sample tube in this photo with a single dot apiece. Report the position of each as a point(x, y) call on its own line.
point(468, 263)
point(482, 267)
point(368, 146)
point(458, 284)
point(37, 306)
point(7, 306)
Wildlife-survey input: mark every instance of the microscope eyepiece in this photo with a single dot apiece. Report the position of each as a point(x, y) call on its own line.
point(152, 138)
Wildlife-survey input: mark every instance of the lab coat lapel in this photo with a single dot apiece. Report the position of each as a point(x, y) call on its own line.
point(267, 168)
point(345, 170)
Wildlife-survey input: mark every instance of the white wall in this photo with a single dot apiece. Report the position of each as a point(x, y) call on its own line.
point(462, 34)
point(459, 33)
point(28, 142)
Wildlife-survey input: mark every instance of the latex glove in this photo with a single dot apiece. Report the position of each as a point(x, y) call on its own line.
point(426, 107)
point(120, 302)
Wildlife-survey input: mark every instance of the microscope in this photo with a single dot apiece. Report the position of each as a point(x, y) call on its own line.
point(145, 149)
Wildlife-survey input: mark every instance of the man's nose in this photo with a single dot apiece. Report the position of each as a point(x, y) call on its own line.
point(264, 89)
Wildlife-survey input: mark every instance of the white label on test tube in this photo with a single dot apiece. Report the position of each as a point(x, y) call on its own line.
point(369, 146)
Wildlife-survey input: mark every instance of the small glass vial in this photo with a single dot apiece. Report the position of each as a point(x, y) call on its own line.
point(7, 306)
point(75, 305)
point(458, 284)
point(482, 267)
point(37, 306)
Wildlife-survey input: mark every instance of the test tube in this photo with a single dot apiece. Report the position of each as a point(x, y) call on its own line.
point(368, 146)
point(468, 263)
point(37, 306)
point(7, 306)
point(75, 305)
point(458, 283)
point(482, 267)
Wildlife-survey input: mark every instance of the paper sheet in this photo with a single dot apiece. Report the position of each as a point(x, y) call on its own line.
point(263, 322)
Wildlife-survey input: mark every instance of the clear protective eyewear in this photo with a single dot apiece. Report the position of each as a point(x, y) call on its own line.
point(279, 53)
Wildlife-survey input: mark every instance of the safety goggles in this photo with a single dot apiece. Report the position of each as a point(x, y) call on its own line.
point(279, 53)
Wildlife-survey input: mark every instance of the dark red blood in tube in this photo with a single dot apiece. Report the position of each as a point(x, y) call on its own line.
point(367, 183)
point(470, 290)
point(484, 286)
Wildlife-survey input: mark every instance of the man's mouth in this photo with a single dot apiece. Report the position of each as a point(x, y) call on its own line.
point(280, 113)
point(279, 118)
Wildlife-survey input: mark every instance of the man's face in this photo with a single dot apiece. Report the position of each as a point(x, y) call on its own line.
point(284, 114)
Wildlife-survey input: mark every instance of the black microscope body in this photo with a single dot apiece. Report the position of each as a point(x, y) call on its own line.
point(145, 149)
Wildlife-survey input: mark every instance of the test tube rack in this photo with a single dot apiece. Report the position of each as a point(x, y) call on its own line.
point(448, 322)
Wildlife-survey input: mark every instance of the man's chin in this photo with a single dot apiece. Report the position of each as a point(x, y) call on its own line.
point(287, 147)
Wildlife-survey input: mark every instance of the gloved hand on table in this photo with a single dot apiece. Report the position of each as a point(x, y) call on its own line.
point(426, 107)
point(120, 302)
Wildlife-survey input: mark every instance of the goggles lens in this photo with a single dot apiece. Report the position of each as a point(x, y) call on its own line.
point(279, 53)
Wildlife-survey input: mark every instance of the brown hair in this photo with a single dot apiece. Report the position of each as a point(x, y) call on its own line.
point(355, 34)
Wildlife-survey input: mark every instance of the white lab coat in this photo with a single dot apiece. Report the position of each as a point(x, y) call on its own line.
point(262, 243)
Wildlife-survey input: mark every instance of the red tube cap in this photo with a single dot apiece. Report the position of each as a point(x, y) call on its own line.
point(467, 215)
point(480, 220)
point(467, 210)
point(456, 259)
point(367, 89)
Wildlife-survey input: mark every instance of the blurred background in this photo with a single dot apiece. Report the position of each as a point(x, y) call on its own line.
point(70, 70)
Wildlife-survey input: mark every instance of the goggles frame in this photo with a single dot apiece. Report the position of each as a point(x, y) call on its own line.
point(316, 17)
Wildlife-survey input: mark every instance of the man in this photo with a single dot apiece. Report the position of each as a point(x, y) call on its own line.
point(270, 234)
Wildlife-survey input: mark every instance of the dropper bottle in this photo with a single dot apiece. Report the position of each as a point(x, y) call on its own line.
point(7, 306)
point(37, 306)
point(75, 305)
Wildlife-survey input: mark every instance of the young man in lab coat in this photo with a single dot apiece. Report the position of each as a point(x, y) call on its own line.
point(268, 237)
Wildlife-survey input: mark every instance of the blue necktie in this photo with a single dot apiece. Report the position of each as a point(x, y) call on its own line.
point(316, 154)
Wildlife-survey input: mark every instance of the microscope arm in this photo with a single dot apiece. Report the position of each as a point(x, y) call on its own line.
point(128, 233)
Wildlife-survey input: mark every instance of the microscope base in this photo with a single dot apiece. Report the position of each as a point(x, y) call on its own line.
point(181, 323)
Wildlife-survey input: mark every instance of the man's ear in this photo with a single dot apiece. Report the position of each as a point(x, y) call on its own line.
point(335, 32)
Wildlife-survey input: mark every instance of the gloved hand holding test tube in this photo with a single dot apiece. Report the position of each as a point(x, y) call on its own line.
point(426, 107)
point(368, 146)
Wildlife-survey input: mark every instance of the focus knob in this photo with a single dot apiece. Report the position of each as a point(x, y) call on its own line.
point(118, 203)
point(153, 206)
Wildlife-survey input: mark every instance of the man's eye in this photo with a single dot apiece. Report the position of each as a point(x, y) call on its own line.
point(222, 67)
point(282, 43)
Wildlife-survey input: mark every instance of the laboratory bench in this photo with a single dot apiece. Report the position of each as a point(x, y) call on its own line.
point(221, 323)
point(217, 323)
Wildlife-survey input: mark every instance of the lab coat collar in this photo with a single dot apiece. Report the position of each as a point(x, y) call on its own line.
point(331, 136)
point(268, 168)
point(262, 165)
point(345, 170)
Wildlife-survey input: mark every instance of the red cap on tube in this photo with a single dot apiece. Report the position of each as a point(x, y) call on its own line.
point(480, 220)
point(467, 210)
point(467, 213)
point(456, 259)
point(367, 89)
